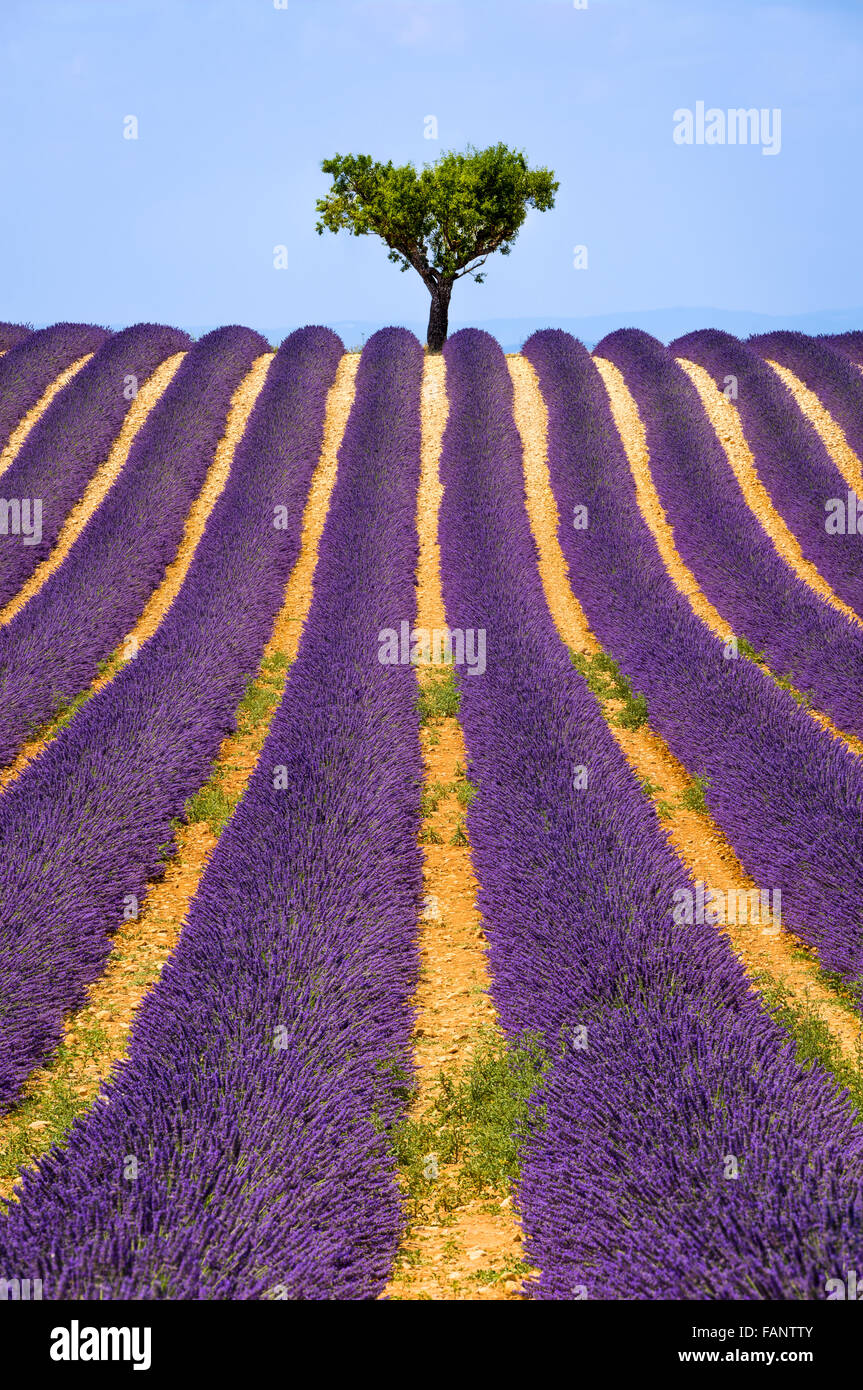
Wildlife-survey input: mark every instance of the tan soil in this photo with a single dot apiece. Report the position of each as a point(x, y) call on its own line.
point(140, 948)
point(725, 419)
point(99, 485)
point(632, 432)
point(242, 404)
point(11, 449)
point(696, 839)
point(831, 432)
point(634, 436)
point(452, 1002)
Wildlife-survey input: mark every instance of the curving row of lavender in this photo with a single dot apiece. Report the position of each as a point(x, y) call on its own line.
point(84, 824)
point(52, 647)
point(787, 795)
point(825, 369)
point(29, 367)
point(264, 1064)
point(805, 640)
point(624, 1192)
point(792, 462)
point(65, 448)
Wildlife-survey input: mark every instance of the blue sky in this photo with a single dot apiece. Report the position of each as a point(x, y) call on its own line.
point(238, 101)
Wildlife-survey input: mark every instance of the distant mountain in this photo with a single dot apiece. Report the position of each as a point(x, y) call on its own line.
point(664, 324)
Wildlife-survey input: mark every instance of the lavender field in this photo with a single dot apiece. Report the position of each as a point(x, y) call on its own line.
point(431, 816)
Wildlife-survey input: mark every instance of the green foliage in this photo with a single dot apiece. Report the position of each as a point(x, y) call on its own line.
point(649, 787)
point(465, 792)
point(479, 1120)
point(747, 649)
point(802, 697)
point(263, 692)
point(438, 698)
point(512, 1269)
point(210, 805)
point(432, 795)
point(52, 1109)
point(596, 670)
point(694, 799)
point(847, 993)
point(607, 682)
point(785, 682)
point(459, 836)
point(814, 1043)
point(634, 712)
point(443, 220)
point(435, 792)
point(663, 808)
point(65, 710)
point(167, 850)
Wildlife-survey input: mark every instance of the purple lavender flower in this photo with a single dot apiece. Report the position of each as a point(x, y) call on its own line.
point(271, 1057)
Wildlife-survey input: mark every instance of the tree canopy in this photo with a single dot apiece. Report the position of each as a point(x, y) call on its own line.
point(443, 220)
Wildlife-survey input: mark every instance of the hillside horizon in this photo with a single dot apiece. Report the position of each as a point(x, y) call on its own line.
point(511, 333)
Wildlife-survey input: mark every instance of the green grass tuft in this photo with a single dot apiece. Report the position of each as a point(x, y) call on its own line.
point(813, 1040)
point(54, 1109)
point(694, 799)
point(438, 698)
point(607, 682)
point(210, 806)
point(479, 1119)
point(459, 837)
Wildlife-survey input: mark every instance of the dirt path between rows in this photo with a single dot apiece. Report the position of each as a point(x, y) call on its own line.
point(634, 437)
point(95, 1038)
point(12, 447)
point(162, 597)
point(99, 485)
point(725, 419)
point(831, 432)
point(466, 1253)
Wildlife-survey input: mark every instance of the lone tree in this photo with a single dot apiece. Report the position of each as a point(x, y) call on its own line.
point(445, 220)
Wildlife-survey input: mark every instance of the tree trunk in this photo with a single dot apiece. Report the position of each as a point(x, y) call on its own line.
point(439, 315)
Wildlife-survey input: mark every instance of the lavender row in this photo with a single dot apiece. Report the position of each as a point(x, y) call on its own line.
point(640, 1016)
point(11, 334)
point(52, 648)
point(264, 1065)
point(825, 370)
point(788, 797)
point(86, 826)
point(65, 448)
point(790, 457)
point(28, 369)
point(805, 640)
point(849, 343)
